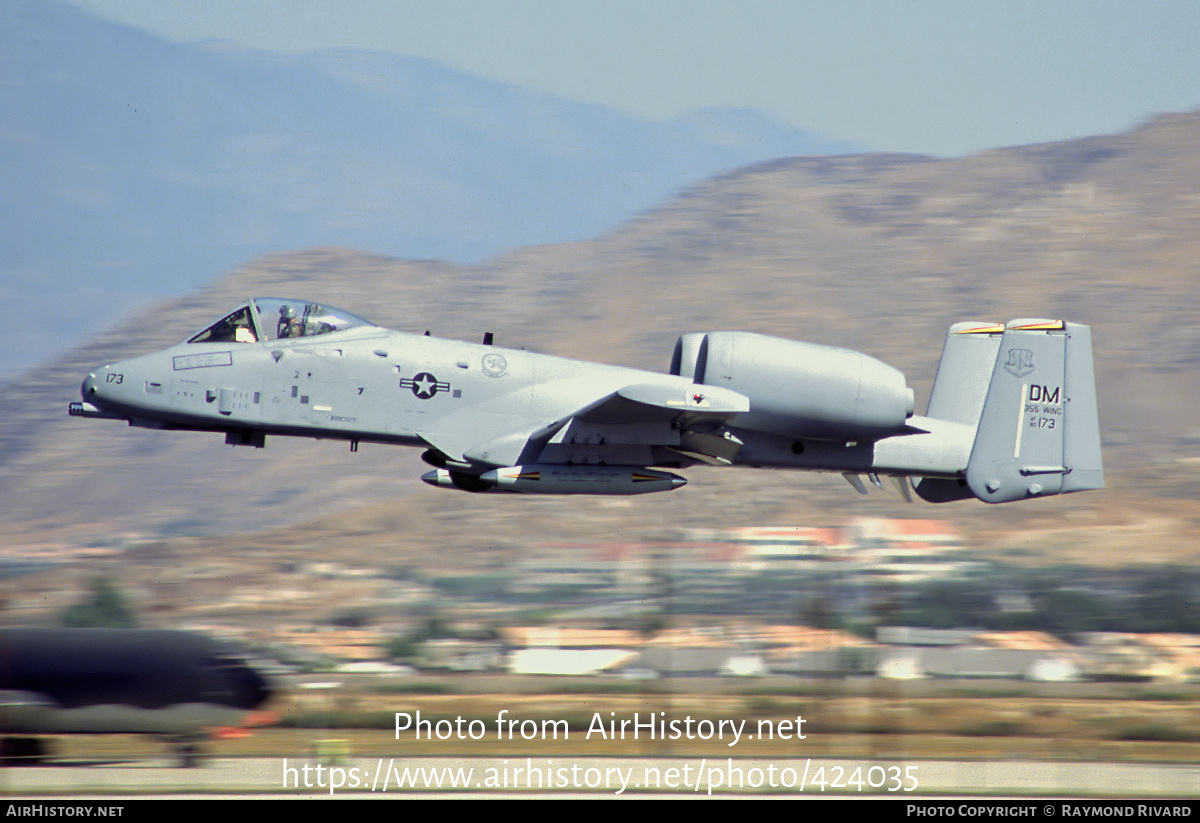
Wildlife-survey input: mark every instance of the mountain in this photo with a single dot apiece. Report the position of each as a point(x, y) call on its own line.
point(876, 252)
point(137, 168)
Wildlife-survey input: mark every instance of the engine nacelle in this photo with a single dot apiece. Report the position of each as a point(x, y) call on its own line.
point(799, 389)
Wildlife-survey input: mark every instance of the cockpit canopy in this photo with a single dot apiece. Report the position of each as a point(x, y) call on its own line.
point(273, 318)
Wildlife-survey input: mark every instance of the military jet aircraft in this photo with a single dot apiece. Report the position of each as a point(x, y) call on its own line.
point(174, 685)
point(1012, 414)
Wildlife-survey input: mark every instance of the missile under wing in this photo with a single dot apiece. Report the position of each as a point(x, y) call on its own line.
point(1012, 415)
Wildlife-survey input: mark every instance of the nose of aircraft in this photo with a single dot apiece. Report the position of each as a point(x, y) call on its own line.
point(93, 389)
point(94, 403)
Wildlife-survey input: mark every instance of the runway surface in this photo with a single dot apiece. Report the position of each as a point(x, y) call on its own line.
point(599, 777)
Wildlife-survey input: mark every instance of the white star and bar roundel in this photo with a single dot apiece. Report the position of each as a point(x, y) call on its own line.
point(424, 385)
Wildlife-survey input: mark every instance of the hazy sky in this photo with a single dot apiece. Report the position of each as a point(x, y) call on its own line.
point(935, 76)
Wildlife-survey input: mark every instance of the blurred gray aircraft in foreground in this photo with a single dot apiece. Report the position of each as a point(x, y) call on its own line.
point(177, 686)
point(1012, 414)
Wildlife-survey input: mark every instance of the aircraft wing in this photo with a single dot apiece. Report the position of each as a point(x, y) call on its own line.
point(684, 418)
point(651, 402)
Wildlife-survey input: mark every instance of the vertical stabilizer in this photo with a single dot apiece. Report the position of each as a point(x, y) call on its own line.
point(1029, 391)
point(963, 374)
point(1081, 441)
point(959, 391)
point(1039, 432)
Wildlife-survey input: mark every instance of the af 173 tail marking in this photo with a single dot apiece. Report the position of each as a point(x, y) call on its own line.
point(1037, 431)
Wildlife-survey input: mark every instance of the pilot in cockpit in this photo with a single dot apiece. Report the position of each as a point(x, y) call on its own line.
point(288, 325)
